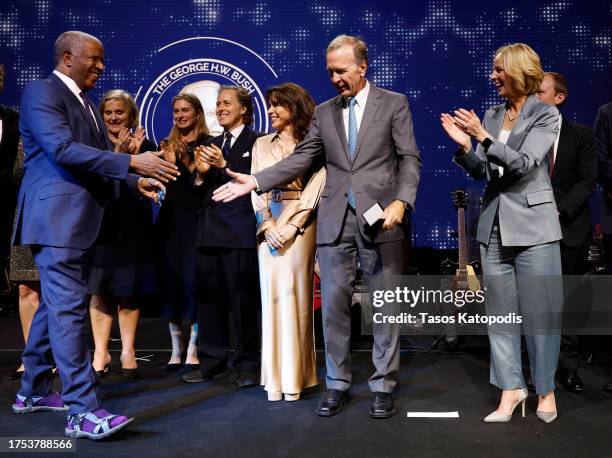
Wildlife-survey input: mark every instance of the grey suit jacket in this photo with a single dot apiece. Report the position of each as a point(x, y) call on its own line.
point(386, 166)
point(522, 197)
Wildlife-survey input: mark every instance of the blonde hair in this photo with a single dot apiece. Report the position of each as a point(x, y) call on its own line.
point(128, 101)
point(523, 67)
point(174, 138)
point(360, 48)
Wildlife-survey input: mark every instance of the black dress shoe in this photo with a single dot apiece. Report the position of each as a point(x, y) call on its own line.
point(570, 381)
point(331, 402)
point(382, 405)
point(248, 379)
point(199, 376)
point(454, 344)
point(173, 367)
point(194, 377)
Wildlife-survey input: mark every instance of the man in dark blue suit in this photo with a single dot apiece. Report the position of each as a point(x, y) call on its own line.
point(70, 174)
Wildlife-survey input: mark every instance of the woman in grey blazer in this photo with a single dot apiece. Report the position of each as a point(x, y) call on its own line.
point(518, 229)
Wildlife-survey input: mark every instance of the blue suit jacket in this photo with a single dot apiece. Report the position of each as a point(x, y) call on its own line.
point(70, 170)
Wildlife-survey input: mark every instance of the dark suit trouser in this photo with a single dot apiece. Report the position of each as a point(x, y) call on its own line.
point(573, 262)
point(57, 331)
point(228, 281)
point(338, 263)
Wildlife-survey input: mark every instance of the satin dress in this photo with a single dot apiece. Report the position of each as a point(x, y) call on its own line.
point(288, 360)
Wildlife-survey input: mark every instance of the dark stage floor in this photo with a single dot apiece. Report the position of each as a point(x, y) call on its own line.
point(217, 420)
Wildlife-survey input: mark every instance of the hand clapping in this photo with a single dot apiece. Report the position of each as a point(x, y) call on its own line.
point(462, 127)
point(212, 155)
point(200, 162)
point(128, 142)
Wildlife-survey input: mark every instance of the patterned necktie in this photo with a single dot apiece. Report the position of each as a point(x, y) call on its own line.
point(352, 143)
point(88, 107)
point(227, 145)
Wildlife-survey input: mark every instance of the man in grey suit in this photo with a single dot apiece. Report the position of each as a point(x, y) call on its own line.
point(366, 138)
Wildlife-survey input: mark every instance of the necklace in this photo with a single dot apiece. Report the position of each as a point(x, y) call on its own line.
point(510, 118)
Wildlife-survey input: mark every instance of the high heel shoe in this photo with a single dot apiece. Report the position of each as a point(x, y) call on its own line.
point(130, 373)
point(496, 417)
point(104, 372)
point(546, 417)
point(173, 367)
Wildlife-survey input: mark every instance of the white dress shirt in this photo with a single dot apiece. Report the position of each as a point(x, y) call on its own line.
point(74, 88)
point(503, 138)
point(235, 133)
point(557, 140)
point(361, 98)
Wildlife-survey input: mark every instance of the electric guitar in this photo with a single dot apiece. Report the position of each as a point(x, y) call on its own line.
point(465, 276)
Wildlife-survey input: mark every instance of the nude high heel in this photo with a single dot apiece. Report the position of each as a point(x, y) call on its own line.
point(496, 417)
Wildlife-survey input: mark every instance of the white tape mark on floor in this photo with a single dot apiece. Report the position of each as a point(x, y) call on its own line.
point(433, 415)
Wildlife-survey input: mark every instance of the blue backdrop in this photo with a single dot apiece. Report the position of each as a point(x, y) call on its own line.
point(437, 52)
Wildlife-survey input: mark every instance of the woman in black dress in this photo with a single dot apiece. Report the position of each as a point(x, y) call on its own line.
point(23, 272)
point(176, 229)
point(123, 265)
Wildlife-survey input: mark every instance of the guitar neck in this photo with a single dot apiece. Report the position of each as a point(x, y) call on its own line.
point(462, 243)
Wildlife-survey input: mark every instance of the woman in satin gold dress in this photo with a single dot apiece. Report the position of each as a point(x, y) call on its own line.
point(286, 231)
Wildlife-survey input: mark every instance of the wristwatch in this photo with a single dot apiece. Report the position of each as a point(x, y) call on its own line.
point(407, 206)
point(486, 143)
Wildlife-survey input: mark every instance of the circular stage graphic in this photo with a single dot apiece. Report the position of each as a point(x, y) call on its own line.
point(189, 66)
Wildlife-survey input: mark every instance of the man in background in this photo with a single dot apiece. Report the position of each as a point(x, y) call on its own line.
point(603, 140)
point(573, 173)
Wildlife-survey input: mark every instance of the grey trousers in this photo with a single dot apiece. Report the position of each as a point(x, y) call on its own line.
point(338, 263)
point(526, 281)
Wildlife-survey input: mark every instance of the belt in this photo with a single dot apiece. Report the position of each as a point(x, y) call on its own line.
point(278, 195)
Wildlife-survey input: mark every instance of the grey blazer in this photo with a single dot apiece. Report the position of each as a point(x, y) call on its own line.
point(386, 166)
point(523, 196)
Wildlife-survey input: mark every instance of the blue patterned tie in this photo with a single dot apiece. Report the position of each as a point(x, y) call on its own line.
point(352, 143)
point(88, 107)
point(227, 145)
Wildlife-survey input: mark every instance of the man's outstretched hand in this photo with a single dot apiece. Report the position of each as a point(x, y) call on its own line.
point(150, 164)
point(241, 185)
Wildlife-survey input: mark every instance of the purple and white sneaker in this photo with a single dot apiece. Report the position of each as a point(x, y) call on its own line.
point(95, 425)
point(49, 403)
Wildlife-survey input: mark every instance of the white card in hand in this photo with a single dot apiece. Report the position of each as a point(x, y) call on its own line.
point(373, 214)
